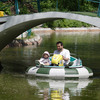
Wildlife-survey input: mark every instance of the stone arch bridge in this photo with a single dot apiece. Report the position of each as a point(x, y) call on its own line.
point(12, 26)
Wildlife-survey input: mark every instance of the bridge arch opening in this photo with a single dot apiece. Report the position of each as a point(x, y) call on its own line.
point(16, 25)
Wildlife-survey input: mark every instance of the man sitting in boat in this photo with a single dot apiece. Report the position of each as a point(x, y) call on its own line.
point(45, 58)
point(64, 52)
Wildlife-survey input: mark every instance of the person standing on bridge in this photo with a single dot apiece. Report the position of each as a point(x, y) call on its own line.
point(64, 52)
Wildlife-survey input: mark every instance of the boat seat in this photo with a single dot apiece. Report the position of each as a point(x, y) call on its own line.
point(37, 62)
point(72, 59)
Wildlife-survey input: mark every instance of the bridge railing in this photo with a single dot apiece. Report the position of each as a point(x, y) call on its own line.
point(34, 6)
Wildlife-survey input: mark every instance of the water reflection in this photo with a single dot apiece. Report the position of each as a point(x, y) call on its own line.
point(59, 89)
point(16, 61)
point(86, 46)
point(1, 67)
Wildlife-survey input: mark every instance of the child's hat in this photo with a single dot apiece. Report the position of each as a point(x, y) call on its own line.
point(46, 52)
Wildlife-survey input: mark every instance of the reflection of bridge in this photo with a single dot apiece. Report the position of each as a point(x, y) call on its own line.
point(13, 26)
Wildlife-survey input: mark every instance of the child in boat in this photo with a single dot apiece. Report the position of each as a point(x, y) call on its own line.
point(45, 59)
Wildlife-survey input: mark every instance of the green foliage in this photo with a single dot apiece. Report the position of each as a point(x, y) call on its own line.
point(88, 7)
point(64, 6)
point(51, 5)
point(6, 7)
point(65, 23)
point(31, 35)
point(24, 10)
point(48, 5)
point(68, 5)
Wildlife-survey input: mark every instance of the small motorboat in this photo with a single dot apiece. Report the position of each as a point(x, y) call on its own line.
point(75, 69)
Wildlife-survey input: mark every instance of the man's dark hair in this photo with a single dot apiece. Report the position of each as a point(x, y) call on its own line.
point(59, 42)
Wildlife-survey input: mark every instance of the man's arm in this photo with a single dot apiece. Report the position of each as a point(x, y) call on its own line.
point(66, 59)
point(67, 55)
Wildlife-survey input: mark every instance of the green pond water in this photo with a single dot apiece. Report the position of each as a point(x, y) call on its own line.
point(15, 85)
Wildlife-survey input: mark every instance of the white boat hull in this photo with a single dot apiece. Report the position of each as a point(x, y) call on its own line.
point(60, 72)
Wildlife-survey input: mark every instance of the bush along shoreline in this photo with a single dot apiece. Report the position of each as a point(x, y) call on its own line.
point(35, 40)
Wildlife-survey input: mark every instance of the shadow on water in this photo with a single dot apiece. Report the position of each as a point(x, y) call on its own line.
point(1, 67)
